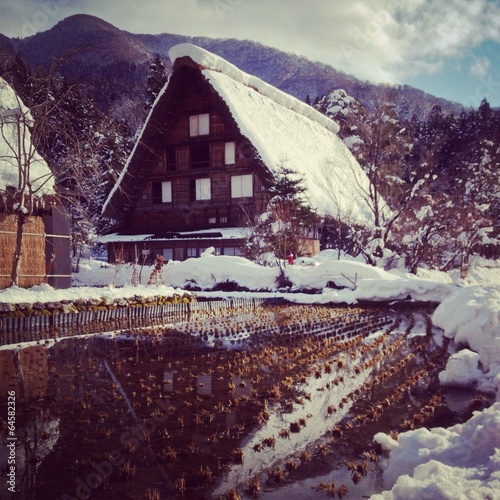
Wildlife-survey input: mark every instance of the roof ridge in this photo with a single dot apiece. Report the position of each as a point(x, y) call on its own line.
point(208, 60)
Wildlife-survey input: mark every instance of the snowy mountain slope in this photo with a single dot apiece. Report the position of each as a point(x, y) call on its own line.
point(100, 52)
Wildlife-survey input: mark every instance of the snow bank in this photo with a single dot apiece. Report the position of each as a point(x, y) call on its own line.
point(45, 293)
point(361, 281)
point(462, 462)
point(208, 271)
point(344, 273)
point(471, 317)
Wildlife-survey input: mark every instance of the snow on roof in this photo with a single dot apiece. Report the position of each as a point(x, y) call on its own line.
point(210, 61)
point(211, 234)
point(286, 131)
point(334, 180)
point(13, 113)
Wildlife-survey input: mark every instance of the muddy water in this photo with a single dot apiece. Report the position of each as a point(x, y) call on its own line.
point(282, 403)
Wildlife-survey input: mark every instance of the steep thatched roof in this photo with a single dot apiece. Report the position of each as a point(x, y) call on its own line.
point(281, 129)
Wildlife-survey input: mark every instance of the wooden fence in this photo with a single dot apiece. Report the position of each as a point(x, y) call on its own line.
point(50, 326)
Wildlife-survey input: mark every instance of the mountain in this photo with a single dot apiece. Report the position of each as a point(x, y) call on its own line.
point(90, 50)
point(6, 49)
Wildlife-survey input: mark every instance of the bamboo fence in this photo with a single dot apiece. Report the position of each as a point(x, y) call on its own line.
point(32, 269)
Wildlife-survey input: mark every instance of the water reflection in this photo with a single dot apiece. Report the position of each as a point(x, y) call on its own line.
point(208, 413)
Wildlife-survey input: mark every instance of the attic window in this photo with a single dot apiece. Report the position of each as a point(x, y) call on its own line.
point(199, 125)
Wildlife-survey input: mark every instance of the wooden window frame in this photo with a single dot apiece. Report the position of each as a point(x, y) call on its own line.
point(200, 191)
point(199, 125)
point(239, 189)
point(161, 192)
point(229, 153)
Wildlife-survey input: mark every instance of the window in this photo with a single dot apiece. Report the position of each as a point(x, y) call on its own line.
point(200, 155)
point(223, 219)
point(172, 158)
point(168, 254)
point(241, 186)
point(202, 189)
point(162, 192)
point(199, 125)
point(229, 153)
point(192, 252)
point(235, 251)
point(212, 220)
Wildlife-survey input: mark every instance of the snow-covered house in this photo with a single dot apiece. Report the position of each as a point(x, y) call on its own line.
point(200, 168)
point(27, 186)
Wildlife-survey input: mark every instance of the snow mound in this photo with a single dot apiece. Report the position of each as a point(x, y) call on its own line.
point(471, 317)
point(210, 270)
point(341, 272)
point(462, 462)
point(462, 370)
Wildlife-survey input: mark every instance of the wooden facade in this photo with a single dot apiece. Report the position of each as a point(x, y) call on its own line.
point(191, 176)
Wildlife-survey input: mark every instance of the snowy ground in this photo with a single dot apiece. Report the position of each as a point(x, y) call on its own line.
point(461, 462)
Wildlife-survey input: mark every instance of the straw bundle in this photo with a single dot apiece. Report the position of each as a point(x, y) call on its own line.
point(32, 267)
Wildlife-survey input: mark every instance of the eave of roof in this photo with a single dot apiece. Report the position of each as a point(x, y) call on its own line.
point(233, 233)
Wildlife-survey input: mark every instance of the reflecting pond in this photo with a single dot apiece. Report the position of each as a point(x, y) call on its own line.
point(282, 402)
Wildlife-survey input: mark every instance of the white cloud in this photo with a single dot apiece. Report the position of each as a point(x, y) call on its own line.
point(480, 66)
point(380, 40)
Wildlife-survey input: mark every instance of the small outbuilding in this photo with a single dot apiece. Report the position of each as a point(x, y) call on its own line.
point(34, 225)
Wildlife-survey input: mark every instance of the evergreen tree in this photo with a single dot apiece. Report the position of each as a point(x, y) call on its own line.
point(285, 225)
point(156, 80)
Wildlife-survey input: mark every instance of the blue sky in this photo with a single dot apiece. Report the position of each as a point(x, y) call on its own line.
point(450, 49)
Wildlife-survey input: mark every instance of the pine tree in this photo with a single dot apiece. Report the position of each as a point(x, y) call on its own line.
point(156, 80)
point(285, 225)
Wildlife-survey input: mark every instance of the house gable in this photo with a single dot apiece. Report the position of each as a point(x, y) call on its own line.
point(191, 169)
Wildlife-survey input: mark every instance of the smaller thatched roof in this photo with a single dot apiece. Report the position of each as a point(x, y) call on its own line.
point(16, 145)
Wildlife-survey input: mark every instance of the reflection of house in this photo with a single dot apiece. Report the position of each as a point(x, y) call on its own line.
point(45, 254)
point(201, 166)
